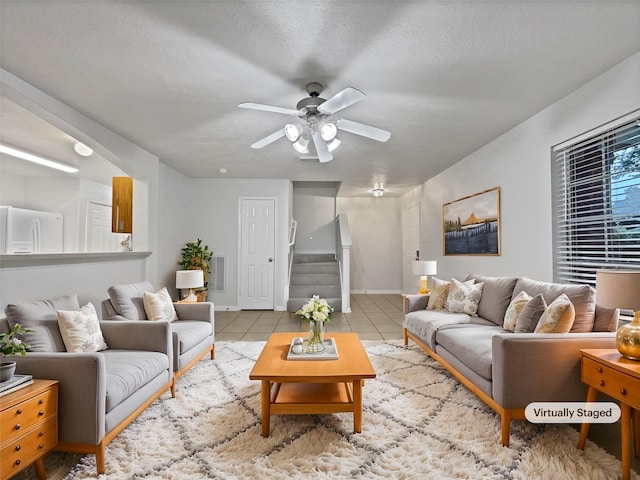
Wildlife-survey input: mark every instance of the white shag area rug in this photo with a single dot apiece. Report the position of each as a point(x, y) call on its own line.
point(418, 423)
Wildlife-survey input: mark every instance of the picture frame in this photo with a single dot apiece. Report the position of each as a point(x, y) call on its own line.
point(471, 225)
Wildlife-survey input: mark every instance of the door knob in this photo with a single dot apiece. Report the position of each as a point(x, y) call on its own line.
point(270, 259)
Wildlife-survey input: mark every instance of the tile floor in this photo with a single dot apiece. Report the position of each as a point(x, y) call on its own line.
point(373, 317)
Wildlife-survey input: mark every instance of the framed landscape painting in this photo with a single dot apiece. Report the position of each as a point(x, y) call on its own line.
point(471, 225)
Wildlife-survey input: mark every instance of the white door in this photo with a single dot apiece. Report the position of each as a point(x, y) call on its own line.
point(99, 237)
point(410, 245)
point(257, 249)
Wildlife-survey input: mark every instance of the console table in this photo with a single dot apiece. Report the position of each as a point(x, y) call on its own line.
point(28, 427)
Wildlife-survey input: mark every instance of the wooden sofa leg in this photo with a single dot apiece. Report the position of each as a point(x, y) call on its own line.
point(505, 423)
point(405, 336)
point(173, 386)
point(100, 457)
point(213, 351)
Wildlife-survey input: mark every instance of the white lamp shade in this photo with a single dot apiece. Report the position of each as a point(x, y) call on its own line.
point(425, 267)
point(618, 289)
point(189, 279)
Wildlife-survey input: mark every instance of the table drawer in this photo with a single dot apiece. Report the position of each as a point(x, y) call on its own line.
point(34, 443)
point(22, 416)
point(611, 381)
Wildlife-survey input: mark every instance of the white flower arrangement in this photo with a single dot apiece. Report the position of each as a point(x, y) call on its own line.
point(316, 309)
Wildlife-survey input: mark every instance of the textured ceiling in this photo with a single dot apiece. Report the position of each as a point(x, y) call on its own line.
point(444, 77)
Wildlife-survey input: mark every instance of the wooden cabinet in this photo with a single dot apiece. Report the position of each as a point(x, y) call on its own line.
point(122, 205)
point(28, 427)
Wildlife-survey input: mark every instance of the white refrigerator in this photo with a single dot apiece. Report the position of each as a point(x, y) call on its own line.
point(30, 231)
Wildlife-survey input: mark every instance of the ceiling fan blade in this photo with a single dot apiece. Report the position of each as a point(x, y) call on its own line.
point(341, 100)
point(324, 155)
point(364, 130)
point(269, 108)
point(269, 139)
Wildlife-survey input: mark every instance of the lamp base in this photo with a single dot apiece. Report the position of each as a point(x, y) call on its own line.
point(628, 338)
point(424, 290)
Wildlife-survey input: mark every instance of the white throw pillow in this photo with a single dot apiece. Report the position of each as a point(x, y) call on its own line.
point(159, 306)
point(514, 309)
point(558, 316)
point(438, 294)
point(80, 330)
point(464, 297)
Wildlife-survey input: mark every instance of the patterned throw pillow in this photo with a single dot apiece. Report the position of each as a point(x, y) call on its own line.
point(558, 317)
point(513, 310)
point(80, 330)
point(438, 295)
point(159, 306)
point(464, 297)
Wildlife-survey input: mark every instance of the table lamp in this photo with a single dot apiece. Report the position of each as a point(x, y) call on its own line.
point(189, 279)
point(424, 268)
point(621, 289)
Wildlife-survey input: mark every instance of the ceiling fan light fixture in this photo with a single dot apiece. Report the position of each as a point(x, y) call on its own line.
point(378, 192)
point(302, 144)
point(333, 144)
point(328, 131)
point(292, 131)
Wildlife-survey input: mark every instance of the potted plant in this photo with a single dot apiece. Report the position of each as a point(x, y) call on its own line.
point(11, 345)
point(195, 256)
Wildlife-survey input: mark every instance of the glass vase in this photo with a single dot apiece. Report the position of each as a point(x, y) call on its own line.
point(316, 337)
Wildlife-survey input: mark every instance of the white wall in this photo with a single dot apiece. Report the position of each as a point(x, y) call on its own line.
point(376, 251)
point(314, 209)
point(519, 162)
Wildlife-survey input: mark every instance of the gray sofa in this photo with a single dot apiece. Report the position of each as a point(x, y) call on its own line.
point(504, 369)
point(99, 393)
point(193, 332)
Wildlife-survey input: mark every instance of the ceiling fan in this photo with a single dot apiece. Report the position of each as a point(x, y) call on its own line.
point(316, 123)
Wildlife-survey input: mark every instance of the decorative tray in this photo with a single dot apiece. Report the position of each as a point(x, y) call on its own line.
point(330, 351)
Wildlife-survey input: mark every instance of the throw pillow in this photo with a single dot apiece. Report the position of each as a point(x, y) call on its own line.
point(40, 318)
point(438, 295)
point(513, 311)
point(530, 314)
point(464, 297)
point(80, 330)
point(159, 306)
point(558, 316)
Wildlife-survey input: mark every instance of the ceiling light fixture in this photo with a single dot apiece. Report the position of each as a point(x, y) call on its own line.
point(292, 131)
point(378, 192)
point(302, 145)
point(83, 150)
point(328, 131)
point(40, 160)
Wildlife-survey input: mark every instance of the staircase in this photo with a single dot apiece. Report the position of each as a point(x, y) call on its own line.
point(314, 274)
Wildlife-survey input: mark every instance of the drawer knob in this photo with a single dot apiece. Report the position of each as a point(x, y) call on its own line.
point(18, 447)
point(17, 426)
point(41, 412)
point(41, 446)
point(19, 412)
point(599, 369)
point(41, 401)
point(601, 383)
point(40, 434)
point(623, 391)
point(18, 462)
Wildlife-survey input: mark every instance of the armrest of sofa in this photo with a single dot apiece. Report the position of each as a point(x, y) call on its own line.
point(109, 313)
point(414, 301)
point(533, 367)
point(138, 335)
point(82, 388)
point(195, 311)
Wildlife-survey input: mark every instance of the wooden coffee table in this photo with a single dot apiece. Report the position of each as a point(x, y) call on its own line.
point(312, 386)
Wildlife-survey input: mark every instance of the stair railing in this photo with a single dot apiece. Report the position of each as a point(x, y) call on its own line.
point(343, 246)
point(293, 227)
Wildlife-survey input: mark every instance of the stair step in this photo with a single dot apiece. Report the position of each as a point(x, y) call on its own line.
point(315, 279)
point(313, 257)
point(308, 291)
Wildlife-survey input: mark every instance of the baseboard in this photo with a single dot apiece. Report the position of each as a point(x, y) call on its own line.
point(223, 308)
point(376, 292)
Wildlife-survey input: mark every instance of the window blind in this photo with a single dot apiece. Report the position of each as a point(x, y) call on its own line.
point(596, 203)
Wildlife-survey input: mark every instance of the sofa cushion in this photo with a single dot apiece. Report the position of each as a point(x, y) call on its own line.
point(158, 306)
point(464, 297)
point(471, 344)
point(41, 318)
point(80, 330)
point(513, 311)
point(557, 317)
point(425, 323)
point(583, 298)
point(128, 371)
point(497, 293)
point(128, 299)
point(530, 314)
point(606, 319)
point(191, 333)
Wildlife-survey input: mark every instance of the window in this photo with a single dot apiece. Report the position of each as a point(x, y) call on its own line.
point(596, 202)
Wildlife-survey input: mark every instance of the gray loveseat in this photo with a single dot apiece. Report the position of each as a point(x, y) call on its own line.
point(509, 370)
point(99, 393)
point(193, 332)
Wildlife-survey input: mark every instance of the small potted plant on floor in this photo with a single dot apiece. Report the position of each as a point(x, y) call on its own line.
point(11, 345)
point(196, 256)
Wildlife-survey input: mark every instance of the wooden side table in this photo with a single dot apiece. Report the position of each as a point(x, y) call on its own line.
point(28, 427)
point(606, 371)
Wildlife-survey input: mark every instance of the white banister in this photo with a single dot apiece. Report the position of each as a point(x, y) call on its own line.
point(343, 246)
